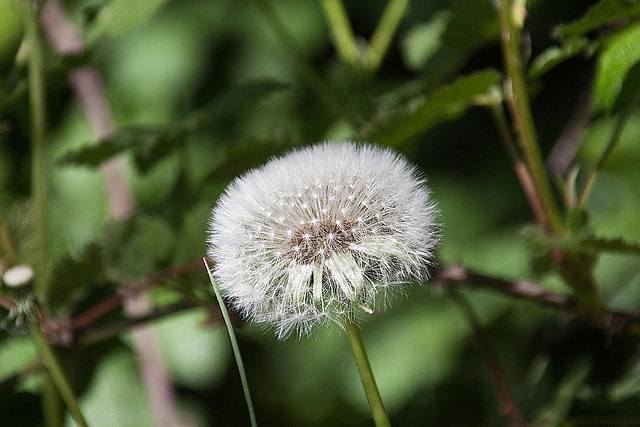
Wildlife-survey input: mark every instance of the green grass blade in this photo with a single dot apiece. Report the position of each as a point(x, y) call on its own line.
point(234, 345)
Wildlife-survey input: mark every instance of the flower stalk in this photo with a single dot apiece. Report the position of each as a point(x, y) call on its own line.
point(35, 80)
point(380, 417)
point(56, 373)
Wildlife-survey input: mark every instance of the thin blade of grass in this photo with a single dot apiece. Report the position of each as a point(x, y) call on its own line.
point(234, 346)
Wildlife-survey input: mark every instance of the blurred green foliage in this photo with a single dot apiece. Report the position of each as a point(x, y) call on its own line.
point(204, 90)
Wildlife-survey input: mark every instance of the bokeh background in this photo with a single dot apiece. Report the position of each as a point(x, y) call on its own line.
point(203, 90)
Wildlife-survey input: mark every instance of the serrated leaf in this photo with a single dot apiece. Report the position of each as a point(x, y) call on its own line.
point(73, 273)
point(92, 155)
point(152, 145)
point(400, 123)
point(118, 17)
point(238, 99)
point(599, 15)
point(555, 55)
point(149, 146)
point(246, 154)
point(615, 61)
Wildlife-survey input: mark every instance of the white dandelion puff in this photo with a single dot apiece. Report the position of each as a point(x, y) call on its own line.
point(309, 236)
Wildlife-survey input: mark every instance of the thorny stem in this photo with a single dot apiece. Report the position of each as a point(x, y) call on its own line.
point(384, 33)
point(56, 373)
point(343, 37)
point(507, 404)
point(518, 100)
point(35, 80)
point(622, 121)
point(304, 68)
point(380, 417)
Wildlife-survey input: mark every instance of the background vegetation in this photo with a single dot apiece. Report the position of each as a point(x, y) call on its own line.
point(122, 121)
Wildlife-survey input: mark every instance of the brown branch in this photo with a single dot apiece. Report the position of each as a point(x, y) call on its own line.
point(456, 275)
point(87, 86)
point(85, 319)
point(615, 322)
point(506, 403)
point(7, 302)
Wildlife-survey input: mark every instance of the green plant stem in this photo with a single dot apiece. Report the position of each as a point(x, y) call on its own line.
point(55, 371)
point(234, 345)
point(518, 100)
point(570, 265)
point(304, 68)
point(621, 123)
point(380, 417)
point(343, 36)
point(384, 33)
point(35, 81)
point(52, 405)
point(10, 253)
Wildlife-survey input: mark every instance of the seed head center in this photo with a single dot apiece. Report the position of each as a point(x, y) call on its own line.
point(319, 239)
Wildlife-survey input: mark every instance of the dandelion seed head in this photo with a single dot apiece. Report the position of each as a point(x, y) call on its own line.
point(308, 237)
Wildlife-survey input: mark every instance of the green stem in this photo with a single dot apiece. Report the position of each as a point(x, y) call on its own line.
point(10, 253)
point(55, 371)
point(304, 68)
point(518, 99)
point(380, 417)
point(52, 405)
point(234, 346)
point(623, 119)
point(35, 80)
point(384, 32)
point(343, 37)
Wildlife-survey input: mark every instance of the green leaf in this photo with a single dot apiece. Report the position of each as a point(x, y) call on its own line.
point(599, 15)
point(148, 244)
point(555, 55)
point(118, 17)
point(629, 91)
point(398, 124)
point(149, 145)
point(423, 40)
point(116, 396)
point(246, 154)
point(15, 353)
point(92, 155)
point(618, 57)
point(613, 245)
point(152, 144)
point(237, 100)
point(76, 272)
point(556, 412)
